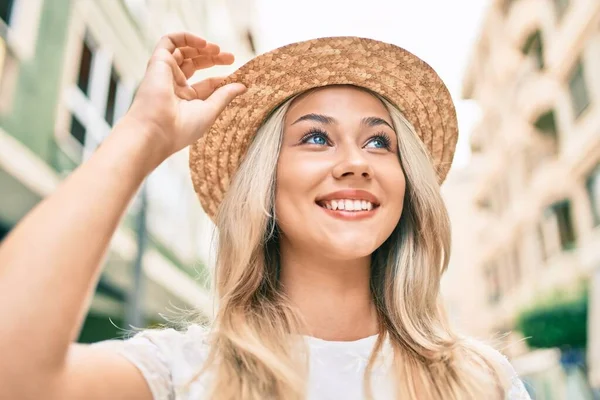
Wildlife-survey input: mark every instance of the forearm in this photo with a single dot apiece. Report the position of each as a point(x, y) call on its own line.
point(50, 262)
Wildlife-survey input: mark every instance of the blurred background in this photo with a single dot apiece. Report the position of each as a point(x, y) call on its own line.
point(523, 193)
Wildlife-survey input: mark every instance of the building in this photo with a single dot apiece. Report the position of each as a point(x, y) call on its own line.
point(526, 211)
point(69, 72)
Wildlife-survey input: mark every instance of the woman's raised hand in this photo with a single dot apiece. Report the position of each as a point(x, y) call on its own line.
point(173, 113)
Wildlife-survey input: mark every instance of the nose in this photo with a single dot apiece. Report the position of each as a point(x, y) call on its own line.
point(353, 163)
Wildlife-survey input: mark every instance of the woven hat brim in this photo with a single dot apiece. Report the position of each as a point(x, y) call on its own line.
point(271, 78)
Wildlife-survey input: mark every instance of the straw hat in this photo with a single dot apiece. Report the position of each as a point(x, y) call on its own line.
point(271, 78)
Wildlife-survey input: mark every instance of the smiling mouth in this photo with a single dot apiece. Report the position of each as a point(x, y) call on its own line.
point(348, 205)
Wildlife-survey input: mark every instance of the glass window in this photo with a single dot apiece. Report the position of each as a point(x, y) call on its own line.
point(564, 221)
point(561, 8)
point(579, 93)
point(85, 67)
point(6, 7)
point(542, 243)
point(493, 283)
point(515, 260)
point(506, 5)
point(593, 188)
point(112, 97)
point(78, 130)
point(546, 124)
point(533, 49)
point(251, 42)
point(3, 231)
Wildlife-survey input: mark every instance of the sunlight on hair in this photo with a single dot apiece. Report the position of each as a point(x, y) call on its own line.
point(256, 347)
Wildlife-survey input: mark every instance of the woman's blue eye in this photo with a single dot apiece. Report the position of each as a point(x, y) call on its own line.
point(317, 138)
point(379, 142)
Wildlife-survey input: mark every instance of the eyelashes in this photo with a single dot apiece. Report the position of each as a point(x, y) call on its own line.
point(314, 134)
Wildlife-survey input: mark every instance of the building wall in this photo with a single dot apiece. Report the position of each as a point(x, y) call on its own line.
point(535, 147)
point(29, 101)
point(49, 124)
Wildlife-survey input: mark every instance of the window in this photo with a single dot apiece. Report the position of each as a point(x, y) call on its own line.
point(561, 8)
point(566, 233)
point(3, 231)
point(542, 243)
point(111, 99)
point(85, 67)
point(593, 188)
point(506, 5)
point(251, 43)
point(6, 7)
point(515, 262)
point(533, 49)
point(78, 130)
point(579, 93)
point(493, 283)
point(501, 197)
point(100, 98)
point(546, 124)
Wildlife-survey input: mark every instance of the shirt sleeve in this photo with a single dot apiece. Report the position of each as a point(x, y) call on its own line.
point(152, 352)
point(517, 389)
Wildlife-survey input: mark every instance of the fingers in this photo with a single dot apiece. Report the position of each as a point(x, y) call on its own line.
point(183, 53)
point(190, 59)
point(191, 52)
point(172, 41)
point(201, 90)
point(206, 87)
point(217, 101)
point(186, 53)
point(189, 66)
point(162, 56)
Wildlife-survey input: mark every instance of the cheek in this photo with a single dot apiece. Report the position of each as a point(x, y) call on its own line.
point(291, 189)
point(393, 183)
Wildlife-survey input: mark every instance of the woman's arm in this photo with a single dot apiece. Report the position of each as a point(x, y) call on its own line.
point(50, 262)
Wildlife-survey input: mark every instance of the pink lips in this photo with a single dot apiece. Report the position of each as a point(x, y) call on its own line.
point(350, 194)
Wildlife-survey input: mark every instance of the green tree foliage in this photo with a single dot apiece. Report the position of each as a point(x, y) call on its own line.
point(560, 321)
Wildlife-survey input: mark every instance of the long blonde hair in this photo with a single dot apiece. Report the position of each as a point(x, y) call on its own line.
point(254, 348)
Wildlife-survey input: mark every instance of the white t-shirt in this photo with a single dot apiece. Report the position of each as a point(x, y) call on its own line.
point(169, 360)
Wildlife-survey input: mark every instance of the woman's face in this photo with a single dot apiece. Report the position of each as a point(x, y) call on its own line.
point(340, 185)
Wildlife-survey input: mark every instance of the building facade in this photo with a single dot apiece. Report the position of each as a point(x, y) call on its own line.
point(526, 211)
point(69, 72)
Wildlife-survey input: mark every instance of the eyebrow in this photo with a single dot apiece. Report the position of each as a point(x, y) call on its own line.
point(327, 120)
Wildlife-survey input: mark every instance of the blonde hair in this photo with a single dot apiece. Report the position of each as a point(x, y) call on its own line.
point(255, 346)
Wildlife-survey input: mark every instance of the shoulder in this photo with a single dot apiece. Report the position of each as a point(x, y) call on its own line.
point(169, 344)
point(167, 358)
point(516, 388)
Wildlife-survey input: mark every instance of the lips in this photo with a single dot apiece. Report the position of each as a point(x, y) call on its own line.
point(349, 194)
point(349, 204)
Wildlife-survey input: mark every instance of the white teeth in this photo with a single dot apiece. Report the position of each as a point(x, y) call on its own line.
point(348, 205)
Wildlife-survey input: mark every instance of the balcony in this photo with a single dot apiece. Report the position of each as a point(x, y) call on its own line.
point(535, 92)
point(524, 16)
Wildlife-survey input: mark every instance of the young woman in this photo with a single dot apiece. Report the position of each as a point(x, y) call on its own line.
point(320, 163)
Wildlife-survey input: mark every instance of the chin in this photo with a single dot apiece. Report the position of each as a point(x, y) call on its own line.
point(351, 250)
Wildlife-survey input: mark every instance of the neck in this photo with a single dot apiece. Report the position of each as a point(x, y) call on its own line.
point(333, 296)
